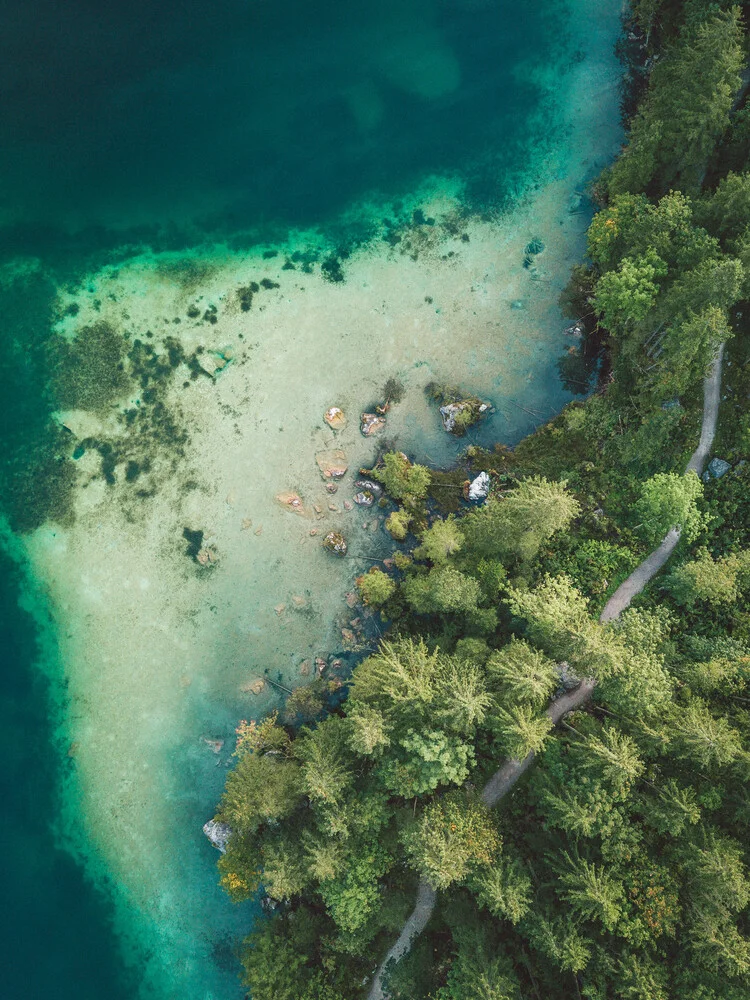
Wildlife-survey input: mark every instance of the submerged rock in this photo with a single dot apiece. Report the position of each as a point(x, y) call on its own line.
point(207, 556)
point(333, 464)
point(212, 362)
point(717, 468)
point(215, 745)
point(478, 489)
point(576, 330)
point(291, 501)
point(371, 423)
point(335, 418)
point(253, 687)
point(218, 834)
point(335, 542)
point(365, 499)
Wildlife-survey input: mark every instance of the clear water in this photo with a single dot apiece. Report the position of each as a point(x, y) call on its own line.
point(150, 159)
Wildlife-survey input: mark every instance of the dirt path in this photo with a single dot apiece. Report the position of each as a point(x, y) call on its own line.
point(508, 774)
point(654, 562)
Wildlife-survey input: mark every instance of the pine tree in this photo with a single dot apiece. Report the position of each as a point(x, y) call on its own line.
point(592, 891)
point(521, 673)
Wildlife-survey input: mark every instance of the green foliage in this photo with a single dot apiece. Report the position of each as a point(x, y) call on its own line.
point(623, 873)
point(592, 892)
point(520, 730)
point(726, 213)
point(262, 788)
point(322, 753)
point(284, 867)
point(424, 760)
point(352, 896)
point(397, 524)
point(444, 590)
point(670, 501)
point(376, 587)
point(715, 581)
point(402, 480)
point(521, 673)
point(369, 733)
point(521, 521)
point(454, 835)
point(440, 541)
point(274, 965)
point(686, 109)
point(627, 295)
point(504, 888)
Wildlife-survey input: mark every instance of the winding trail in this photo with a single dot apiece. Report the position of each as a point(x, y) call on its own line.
point(508, 773)
point(651, 565)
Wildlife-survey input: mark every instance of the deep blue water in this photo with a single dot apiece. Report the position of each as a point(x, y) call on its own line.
point(243, 112)
point(167, 123)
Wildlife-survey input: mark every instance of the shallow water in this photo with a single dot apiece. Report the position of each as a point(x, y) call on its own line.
point(155, 164)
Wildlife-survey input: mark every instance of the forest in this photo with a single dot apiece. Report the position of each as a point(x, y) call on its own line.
point(596, 853)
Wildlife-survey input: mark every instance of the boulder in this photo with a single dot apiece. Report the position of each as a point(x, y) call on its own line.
point(576, 330)
point(371, 423)
point(568, 681)
point(365, 499)
point(458, 417)
point(479, 488)
point(335, 417)
point(335, 543)
point(218, 833)
point(332, 464)
point(717, 468)
point(368, 484)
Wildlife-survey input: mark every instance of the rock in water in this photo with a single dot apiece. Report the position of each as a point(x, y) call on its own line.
point(367, 484)
point(458, 417)
point(717, 468)
point(335, 418)
point(371, 423)
point(479, 488)
point(292, 501)
point(365, 499)
point(332, 464)
point(335, 543)
point(218, 833)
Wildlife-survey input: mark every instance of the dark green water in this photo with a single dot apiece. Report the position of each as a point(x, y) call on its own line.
point(168, 124)
point(56, 938)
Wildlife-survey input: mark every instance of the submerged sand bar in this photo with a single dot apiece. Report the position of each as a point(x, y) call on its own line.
point(161, 653)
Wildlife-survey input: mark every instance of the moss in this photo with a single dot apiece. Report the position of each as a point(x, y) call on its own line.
point(446, 489)
point(245, 295)
point(88, 372)
point(331, 269)
point(186, 271)
point(393, 390)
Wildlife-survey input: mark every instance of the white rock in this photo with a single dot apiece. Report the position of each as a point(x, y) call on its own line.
point(218, 833)
point(479, 488)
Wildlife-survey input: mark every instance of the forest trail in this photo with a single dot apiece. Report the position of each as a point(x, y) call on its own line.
point(651, 565)
point(508, 773)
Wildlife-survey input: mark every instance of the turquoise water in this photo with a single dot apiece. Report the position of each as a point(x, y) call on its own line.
point(165, 127)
